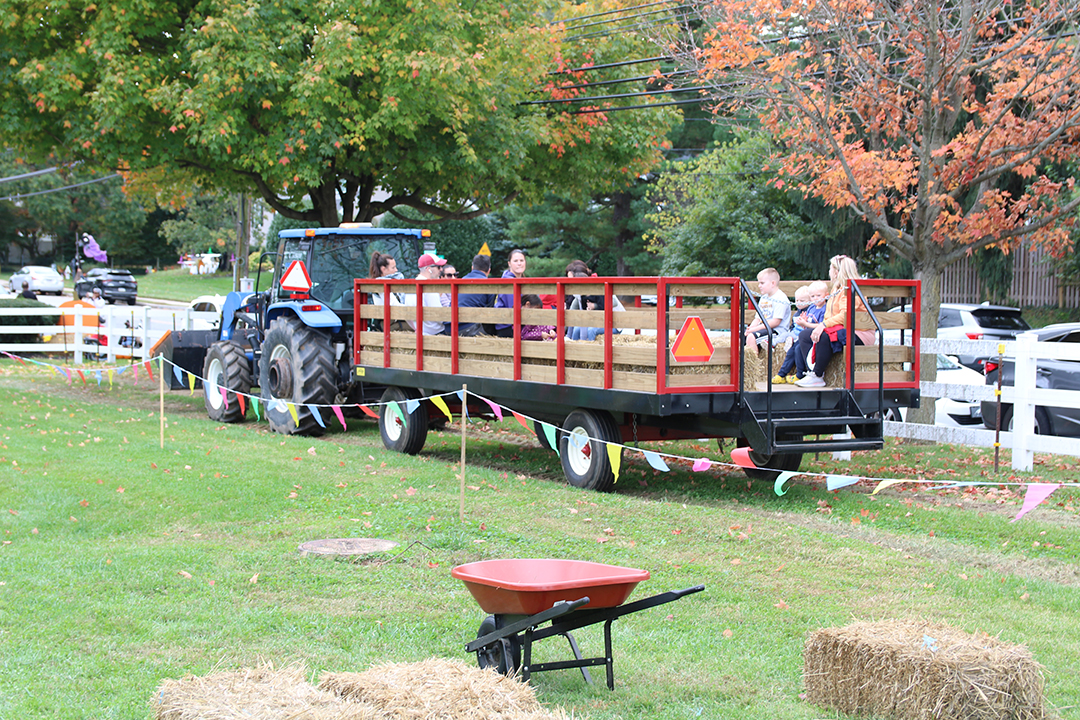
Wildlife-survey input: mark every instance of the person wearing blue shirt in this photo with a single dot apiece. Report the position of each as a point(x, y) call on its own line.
point(807, 320)
point(481, 266)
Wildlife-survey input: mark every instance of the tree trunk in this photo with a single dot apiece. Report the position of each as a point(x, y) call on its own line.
point(929, 273)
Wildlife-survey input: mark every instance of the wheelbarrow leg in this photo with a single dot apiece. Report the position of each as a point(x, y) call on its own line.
point(608, 656)
point(577, 655)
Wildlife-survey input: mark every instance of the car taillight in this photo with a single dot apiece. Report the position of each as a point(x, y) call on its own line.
point(989, 366)
point(974, 336)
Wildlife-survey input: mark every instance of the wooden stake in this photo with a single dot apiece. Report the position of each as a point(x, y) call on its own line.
point(161, 397)
point(464, 406)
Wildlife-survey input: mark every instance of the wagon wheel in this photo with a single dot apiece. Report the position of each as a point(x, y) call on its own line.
point(769, 467)
point(583, 453)
point(503, 655)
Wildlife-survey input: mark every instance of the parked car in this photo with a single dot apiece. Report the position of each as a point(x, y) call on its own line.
point(207, 304)
point(116, 285)
point(962, 321)
point(1052, 374)
point(42, 280)
point(947, 410)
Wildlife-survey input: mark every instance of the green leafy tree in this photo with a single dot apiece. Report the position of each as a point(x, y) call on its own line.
point(458, 241)
point(719, 214)
point(319, 100)
point(605, 232)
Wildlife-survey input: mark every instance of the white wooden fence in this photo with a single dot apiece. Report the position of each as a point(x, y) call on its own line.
point(81, 327)
point(147, 325)
point(1024, 396)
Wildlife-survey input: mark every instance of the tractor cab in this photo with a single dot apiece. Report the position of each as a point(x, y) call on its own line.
point(335, 257)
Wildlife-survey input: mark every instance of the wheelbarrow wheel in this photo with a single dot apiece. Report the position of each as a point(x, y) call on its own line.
point(503, 655)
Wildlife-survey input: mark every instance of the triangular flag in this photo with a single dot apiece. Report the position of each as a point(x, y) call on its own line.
point(340, 417)
point(521, 420)
point(778, 486)
point(98, 374)
point(702, 464)
point(655, 461)
point(81, 376)
point(884, 484)
point(614, 453)
point(191, 382)
point(441, 404)
point(178, 374)
point(461, 395)
point(741, 456)
point(292, 411)
point(224, 396)
point(397, 411)
point(149, 371)
point(549, 433)
point(135, 368)
point(835, 482)
point(411, 405)
point(254, 406)
point(369, 412)
point(578, 440)
point(67, 374)
point(317, 415)
point(497, 409)
point(1036, 493)
point(110, 377)
point(243, 407)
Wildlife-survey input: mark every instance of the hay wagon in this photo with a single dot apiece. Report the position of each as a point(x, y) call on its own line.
point(662, 372)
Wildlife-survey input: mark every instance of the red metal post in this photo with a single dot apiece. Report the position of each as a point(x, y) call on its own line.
point(560, 333)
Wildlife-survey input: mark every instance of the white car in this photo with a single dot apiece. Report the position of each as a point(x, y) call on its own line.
point(949, 412)
point(207, 304)
point(41, 279)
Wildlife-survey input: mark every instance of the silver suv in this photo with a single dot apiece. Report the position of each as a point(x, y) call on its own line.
point(962, 321)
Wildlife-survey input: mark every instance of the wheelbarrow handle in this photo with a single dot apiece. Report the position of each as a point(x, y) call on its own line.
point(558, 609)
point(591, 617)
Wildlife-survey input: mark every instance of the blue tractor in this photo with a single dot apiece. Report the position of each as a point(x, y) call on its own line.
point(297, 347)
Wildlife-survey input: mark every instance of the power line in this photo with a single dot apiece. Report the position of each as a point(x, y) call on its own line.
point(60, 189)
point(612, 12)
point(29, 175)
point(620, 96)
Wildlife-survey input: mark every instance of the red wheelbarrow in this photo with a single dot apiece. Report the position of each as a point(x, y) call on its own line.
point(521, 595)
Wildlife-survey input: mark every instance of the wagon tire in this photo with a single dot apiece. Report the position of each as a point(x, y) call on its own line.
point(769, 467)
point(406, 433)
point(585, 462)
point(541, 437)
point(226, 366)
point(297, 367)
point(503, 655)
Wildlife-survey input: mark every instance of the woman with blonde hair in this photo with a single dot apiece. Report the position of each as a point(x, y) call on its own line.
point(831, 335)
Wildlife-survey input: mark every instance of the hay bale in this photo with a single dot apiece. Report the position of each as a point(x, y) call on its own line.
point(439, 689)
point(263, 693)
point(434, 689)
point(912, 670)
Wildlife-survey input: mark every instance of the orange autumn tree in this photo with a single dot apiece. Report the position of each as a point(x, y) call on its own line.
point(948, 126)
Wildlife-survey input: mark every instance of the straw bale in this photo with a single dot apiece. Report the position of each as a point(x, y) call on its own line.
point(264, 693)
point(439, 689)
point(914, 670)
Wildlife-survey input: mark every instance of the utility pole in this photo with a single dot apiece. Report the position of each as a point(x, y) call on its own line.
point(243, 239)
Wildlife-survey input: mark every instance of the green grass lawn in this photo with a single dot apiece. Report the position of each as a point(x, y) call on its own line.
point(181, 285)
point(123, 563)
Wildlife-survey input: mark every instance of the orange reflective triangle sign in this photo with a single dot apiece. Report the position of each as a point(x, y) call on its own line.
point(296, 279)
point(692, 344)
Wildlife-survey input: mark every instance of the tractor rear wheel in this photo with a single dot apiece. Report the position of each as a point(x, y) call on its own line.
point(226, 368)
point(297, 367)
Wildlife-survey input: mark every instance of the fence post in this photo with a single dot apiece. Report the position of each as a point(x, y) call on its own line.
point(1023, 423)
point(79, 317)
point(110, 336)
point(145, 349)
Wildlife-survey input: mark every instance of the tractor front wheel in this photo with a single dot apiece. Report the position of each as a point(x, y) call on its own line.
point(226, 371)
point(297, 368)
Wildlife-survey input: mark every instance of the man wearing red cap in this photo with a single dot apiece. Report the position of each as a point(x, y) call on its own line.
point(430, 269)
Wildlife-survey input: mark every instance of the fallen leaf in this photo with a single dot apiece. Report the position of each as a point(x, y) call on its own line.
point(781, 605)
point(184, 574)
point(727, 633)
point(120, 489)
point(254, 579)
point(736, 561)
point(410, 491)
point(311, 451)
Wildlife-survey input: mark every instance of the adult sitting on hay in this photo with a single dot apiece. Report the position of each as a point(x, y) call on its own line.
point(830, 337)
